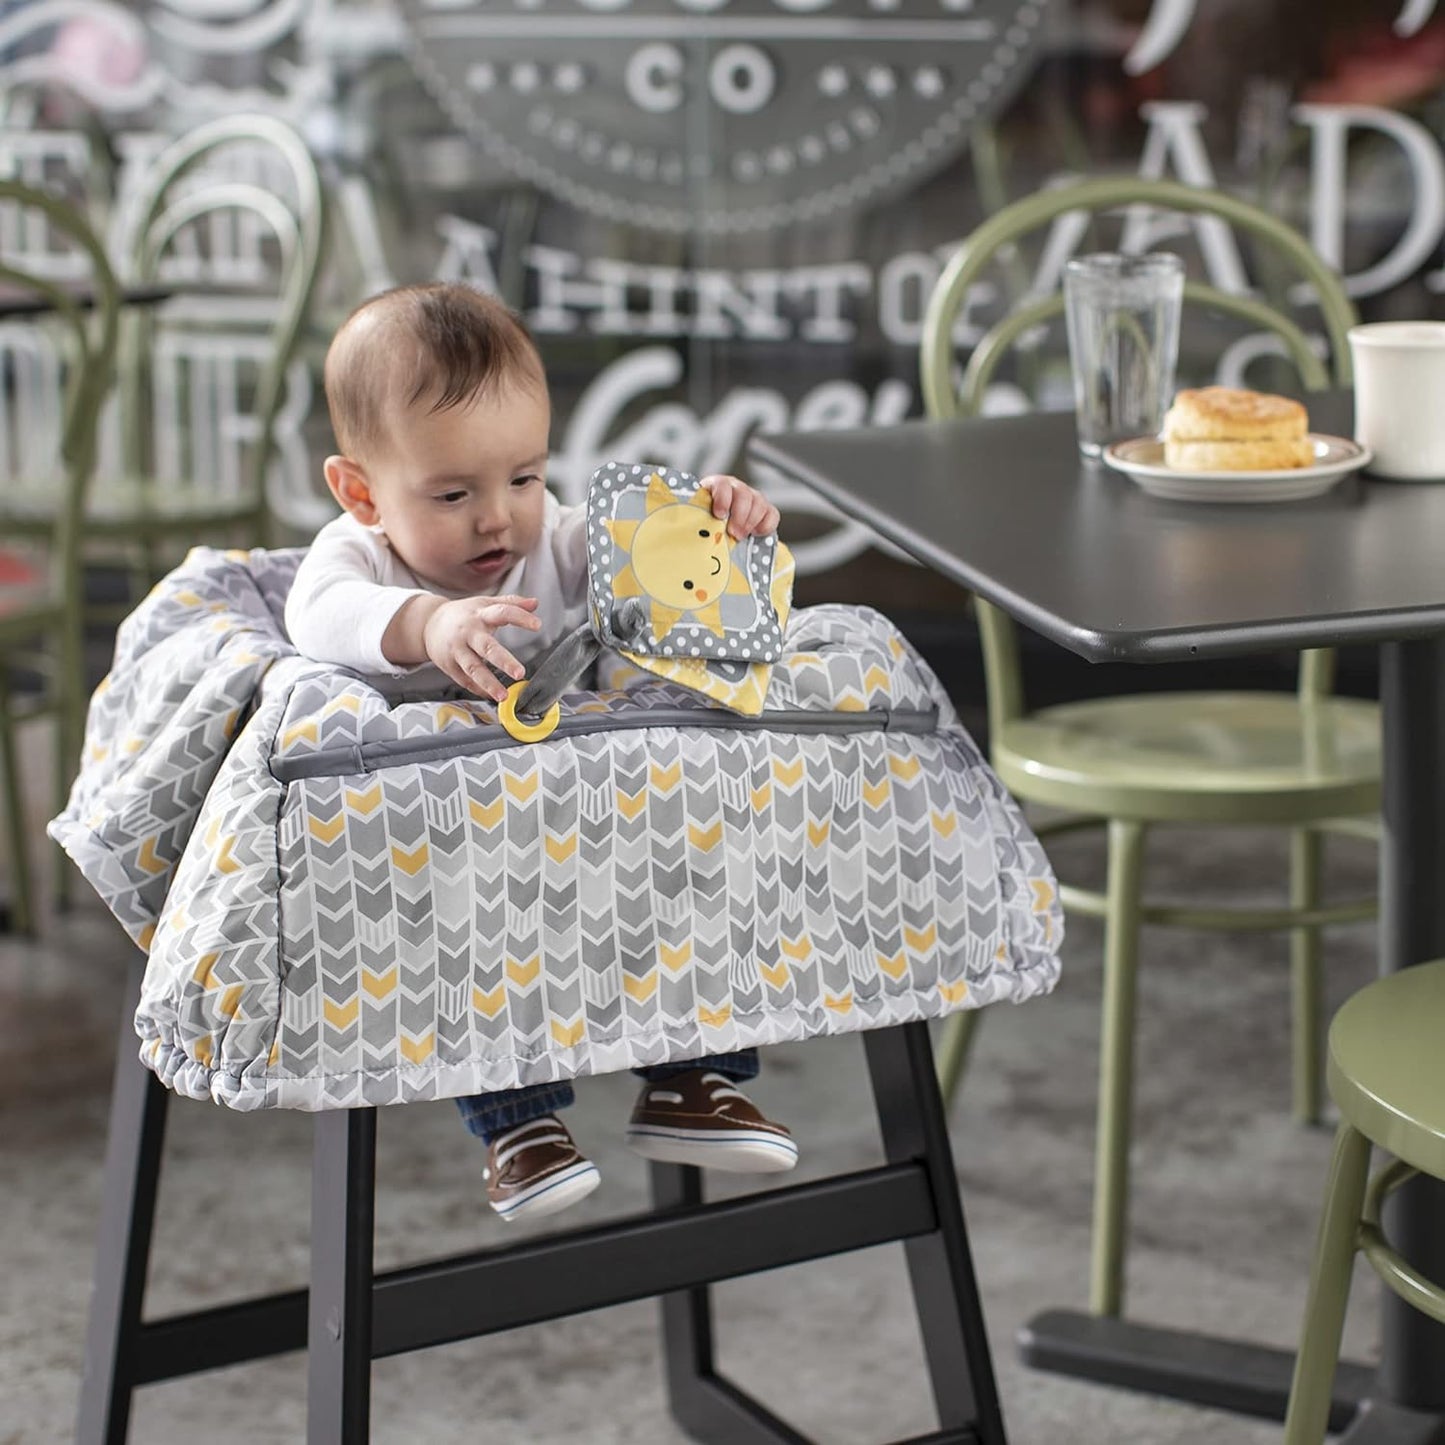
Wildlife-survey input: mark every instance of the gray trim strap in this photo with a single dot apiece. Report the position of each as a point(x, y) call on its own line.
point(471, 742)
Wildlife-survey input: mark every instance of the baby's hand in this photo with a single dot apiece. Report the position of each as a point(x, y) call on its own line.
point(460, 638)
point(747, 512)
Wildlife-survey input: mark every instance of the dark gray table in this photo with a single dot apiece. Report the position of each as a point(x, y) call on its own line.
point(1005, 506)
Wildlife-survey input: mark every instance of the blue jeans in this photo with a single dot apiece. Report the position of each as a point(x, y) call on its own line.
point(487, 1115)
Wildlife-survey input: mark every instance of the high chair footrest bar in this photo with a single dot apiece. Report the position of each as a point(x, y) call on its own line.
point(451, 1299)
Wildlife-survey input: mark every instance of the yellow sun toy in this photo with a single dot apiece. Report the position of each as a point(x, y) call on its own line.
point(675, 594)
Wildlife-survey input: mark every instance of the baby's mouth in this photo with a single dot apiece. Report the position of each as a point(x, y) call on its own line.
point(489, 561)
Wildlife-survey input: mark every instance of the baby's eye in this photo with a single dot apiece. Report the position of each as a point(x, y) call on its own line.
point(527, 479)
point(451, 497)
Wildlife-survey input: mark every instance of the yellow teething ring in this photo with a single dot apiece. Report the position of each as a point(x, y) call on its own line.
point(526, 732)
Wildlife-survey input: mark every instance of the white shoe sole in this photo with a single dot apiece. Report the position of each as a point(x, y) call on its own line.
point(554, 1193)
point(740, 1153)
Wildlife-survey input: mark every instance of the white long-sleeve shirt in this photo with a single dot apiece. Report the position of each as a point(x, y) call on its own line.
point(351, 584)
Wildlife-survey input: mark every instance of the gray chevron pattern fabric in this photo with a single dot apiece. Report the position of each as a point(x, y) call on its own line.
point(350, 900)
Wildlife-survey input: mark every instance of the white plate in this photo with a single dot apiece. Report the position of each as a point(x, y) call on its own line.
point(1143, 460)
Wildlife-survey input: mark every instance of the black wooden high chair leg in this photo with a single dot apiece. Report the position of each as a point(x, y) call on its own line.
point(123, 1239)
point(351, 1316)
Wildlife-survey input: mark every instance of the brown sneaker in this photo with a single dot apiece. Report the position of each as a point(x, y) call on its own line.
point(703, 1118)
point(536, 1169)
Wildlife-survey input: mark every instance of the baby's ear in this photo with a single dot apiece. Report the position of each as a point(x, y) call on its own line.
point(349, 486)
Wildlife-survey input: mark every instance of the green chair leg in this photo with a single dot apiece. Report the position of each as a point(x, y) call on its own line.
point(1306, 859)
point(1116, 1068)
point(953, 1052)
point(1324, 1323)
point(12, 803)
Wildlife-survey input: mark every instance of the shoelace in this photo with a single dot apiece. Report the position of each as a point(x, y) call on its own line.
point(719, 1090)
point(523, 1138)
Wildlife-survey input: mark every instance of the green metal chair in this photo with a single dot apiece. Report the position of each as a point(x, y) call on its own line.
point(1387, 1074)
point(41, 592)
point(1306, 761)
point(242, 257)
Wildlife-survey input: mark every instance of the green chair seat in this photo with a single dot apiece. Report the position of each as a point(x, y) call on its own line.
point(1386, 1071)
point(1245, 757)
point(1386, 1065)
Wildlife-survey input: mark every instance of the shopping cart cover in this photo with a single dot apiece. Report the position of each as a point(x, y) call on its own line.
point(350, 899)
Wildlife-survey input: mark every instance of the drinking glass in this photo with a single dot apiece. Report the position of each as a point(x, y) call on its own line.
point(1123, 319)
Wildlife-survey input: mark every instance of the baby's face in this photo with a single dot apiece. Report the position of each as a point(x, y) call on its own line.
point(460, 493)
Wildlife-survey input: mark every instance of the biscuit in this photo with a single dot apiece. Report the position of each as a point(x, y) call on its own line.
point(1268, 455)
point(1227, 413)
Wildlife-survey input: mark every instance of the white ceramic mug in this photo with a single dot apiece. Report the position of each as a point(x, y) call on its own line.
point(1400, 397)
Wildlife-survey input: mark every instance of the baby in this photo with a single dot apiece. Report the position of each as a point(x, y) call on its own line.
point(452, 561)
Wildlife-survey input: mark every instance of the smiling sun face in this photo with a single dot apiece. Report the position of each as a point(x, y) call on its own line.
point(679, 559)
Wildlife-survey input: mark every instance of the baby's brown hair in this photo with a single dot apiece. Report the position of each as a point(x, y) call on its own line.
point(444, 340)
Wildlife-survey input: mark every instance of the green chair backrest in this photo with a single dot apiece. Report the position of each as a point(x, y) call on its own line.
point(184, 189)
point(89, 337)
point(87, 318)
point(942, 399)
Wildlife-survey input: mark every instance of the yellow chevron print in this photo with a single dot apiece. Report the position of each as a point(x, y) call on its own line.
point(953, 992)
point(487, 815)
point(895, 647)
point(275, 1052)
point(920, 940)
point(230, 1001)
point(788, 774)
point(642, 988)
point(777, 975)
point(421, 1049)
point(846, 702)
point(523, 974)
point(451, 712)
point(364, 801)
point(131, 746)
point(228, 727)
point(762, 797)
point(187, 598)
point(1043, 894)
point(631, 804)
point(97, 752)
point(876, 794)
point(559, 850)
point(894, 967)
point(945, 824)
point(570, 1034)
point(876, 679)
point(146, 857)
point(204, 1050)
point(347, 702)
point(714, 1018)
point(144, 937)
point(842, 1004)
point(205, 970)
point(797, 948)
point(818, 832)
point(342, 1015)
point(521, 788)
point(705, 839)
point(674, 958)
point(306, 728)
point(904, 768)
point(410, 863)
point(327, 832)
point(664, 780)
point(379, 985)
point(489, 1003)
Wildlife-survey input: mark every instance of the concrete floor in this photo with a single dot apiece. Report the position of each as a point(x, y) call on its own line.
point(1226, 1192)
